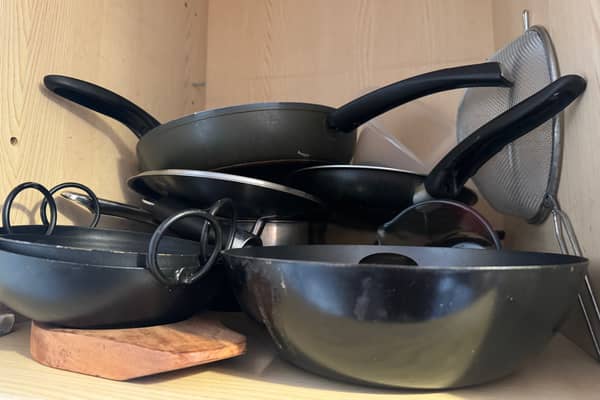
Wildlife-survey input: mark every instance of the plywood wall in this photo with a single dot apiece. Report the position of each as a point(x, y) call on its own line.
point(329, 52)
point(151, 51)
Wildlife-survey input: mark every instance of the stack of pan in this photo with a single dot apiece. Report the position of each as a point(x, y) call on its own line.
point(379, 315)
point(247, 153)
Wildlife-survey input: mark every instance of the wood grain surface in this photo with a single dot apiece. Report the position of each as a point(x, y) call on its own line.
point(151, 51)
point(123, 354)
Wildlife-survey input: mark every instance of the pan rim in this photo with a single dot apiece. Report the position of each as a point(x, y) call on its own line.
point(570, 261)
point(356, 167)
point(79, 267)
point(26, 243)
point(188, 173)
point(239, 109)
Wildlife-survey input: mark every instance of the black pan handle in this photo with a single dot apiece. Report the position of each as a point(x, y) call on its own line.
point(449, 176)
point(102, 100)
point(357, 112)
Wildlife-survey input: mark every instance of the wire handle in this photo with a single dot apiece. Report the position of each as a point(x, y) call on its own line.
point(381, 231)
point(563, 227)
point(90, 192)
point(180, 277)
point(11, 198)
point(204, 233)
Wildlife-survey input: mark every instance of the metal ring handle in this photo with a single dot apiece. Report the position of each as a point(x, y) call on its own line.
point(152, 256)
point(79, 186)
point(480, 218)
point(11, 198)
point(213, 210)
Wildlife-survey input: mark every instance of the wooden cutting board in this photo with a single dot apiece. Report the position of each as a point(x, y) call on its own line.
point(123, 354)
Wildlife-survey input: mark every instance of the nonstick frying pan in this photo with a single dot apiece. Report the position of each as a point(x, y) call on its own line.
point(376, 194)
point(253, 198)
point(414, 317)
point(255, 134)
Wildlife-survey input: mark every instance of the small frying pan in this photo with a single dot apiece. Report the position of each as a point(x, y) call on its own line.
point(375, 194)
point(253, 198)
point(252, 135)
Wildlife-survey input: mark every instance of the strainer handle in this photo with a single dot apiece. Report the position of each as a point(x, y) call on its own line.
point(448, 177)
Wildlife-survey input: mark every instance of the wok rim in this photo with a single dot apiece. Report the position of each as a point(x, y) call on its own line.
point(570, 261)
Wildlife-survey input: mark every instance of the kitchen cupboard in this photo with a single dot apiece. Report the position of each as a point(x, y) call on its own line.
point(176, 57)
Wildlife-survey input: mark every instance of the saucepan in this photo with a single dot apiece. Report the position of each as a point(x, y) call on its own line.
point(271, 231)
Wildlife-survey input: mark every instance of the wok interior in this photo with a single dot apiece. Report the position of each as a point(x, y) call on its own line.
point(423, 256)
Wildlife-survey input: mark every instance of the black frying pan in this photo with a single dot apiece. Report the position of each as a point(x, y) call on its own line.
point(375, 194)
point(435, 318)
point(254, 134)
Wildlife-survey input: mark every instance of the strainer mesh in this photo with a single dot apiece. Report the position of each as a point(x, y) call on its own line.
point(515, 180)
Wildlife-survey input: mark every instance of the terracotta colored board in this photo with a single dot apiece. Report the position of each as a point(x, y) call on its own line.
point(123, 354)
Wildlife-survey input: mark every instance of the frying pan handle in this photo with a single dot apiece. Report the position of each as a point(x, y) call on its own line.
point(357, 112)
point(102, 100)
point(112, 208)
point(449, 176)
point(189, 228)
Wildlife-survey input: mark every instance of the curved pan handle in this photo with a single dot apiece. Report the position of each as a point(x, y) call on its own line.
point(192, 228)
point(189, 228)
point(449, 176)
point(102, 100)
point(351, 115)
point(112, 208)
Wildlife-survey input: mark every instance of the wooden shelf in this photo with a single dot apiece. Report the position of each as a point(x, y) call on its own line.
point(561, 372)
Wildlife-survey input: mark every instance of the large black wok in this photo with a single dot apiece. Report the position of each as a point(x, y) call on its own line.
point(435, 318)
point(254, 134)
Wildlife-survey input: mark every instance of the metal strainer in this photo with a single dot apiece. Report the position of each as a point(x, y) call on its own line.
point(516, 180)
point(522, 179)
